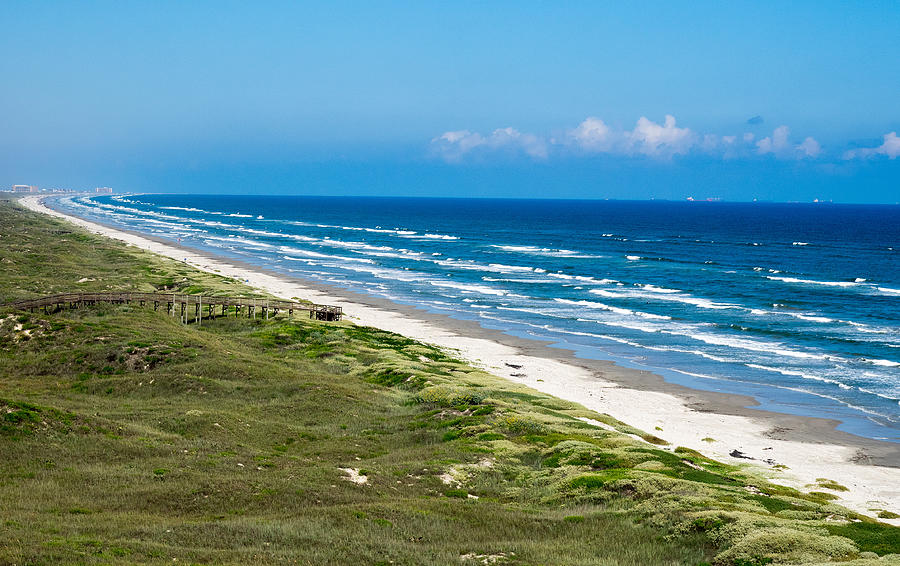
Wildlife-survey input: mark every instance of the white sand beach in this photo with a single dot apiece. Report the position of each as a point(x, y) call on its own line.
point(599, 387)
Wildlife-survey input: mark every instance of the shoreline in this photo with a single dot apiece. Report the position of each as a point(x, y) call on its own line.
point(810, 447)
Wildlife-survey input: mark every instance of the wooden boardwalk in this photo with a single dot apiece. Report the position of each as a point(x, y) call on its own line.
point(184, 303)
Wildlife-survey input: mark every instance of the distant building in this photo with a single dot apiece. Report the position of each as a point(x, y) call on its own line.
point(24, 189)
point(103, 190)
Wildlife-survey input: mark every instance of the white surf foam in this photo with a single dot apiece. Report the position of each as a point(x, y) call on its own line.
point(664, 296)
point(796, 373)
point(470, 288)
point(550, 252)
point(813, 282)
point(610, 308)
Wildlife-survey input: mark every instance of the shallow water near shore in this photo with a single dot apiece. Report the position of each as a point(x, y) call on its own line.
point(795, 305)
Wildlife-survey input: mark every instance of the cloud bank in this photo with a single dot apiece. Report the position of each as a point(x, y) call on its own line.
point(779, 144)
point(890, 148)
point(660, 141)
point(648, 138)
point(454, 145)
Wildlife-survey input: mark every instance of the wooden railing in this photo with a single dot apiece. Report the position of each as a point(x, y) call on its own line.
point(174, 302)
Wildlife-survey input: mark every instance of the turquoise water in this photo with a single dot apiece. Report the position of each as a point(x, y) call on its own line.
point(797, 305)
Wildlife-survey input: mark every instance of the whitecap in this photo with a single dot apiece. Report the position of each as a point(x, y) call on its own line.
point(813, 282)
point(549, 252)
point(429, 236)
point(504, 268)
point(610, 308)
point(664, 296)
point(795, 373)
point(883, 363)
point(655, 289)
point(470, 288)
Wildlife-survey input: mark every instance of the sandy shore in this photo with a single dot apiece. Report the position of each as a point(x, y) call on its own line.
point(810, 448)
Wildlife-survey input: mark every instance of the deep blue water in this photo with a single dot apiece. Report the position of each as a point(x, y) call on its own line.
point(795, 304)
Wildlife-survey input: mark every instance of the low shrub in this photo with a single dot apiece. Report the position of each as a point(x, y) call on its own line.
point(448, 396)
point(786, 545)
point(522, 425)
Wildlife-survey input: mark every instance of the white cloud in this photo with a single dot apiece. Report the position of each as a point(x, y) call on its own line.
point(513, 138)
point(890, 148)
point(662, 141)
point(810, 147)
point(650, 138)
point(726, 147)
point(711, 142)
point(452, 146)
point(779, 144)
point(592, 135)
point(456, 144)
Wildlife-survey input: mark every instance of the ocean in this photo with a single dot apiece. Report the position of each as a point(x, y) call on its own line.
point(797, 305)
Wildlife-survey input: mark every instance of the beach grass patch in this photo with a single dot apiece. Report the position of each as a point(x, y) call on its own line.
point(822, 496)
point(597, 480)
point(869, 536)
point(829, 484)
point(772, 504)
point(488, 436)
point(450, 396)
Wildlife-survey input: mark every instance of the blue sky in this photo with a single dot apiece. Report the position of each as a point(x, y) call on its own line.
point(600, 100)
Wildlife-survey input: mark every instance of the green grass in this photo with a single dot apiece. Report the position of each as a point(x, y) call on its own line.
point(127, 437)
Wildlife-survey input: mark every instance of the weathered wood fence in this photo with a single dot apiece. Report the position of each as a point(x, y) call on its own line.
point(184, 303)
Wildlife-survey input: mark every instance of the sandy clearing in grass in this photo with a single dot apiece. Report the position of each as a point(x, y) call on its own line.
point(869, 486)
point(354, 476)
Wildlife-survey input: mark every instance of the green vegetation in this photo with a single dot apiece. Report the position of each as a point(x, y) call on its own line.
point(130, 438)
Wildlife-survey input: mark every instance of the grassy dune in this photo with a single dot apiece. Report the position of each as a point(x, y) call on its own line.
point(127, 437)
